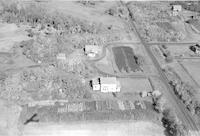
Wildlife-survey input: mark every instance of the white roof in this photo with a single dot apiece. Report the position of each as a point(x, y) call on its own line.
point(61, 56)
point(108, 80)
point(92, 48)
point(177, 7)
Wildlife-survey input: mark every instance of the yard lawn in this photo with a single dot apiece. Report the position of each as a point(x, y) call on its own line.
point(182, 73)
point(107, 64)
point(9, 118)
point(192, 68)
point(180, 51)
point(134, 85)
point(118, 128)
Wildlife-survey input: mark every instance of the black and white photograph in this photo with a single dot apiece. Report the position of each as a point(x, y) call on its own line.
point(99, 68)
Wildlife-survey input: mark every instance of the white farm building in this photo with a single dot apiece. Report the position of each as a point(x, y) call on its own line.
point(92, 50)
point(177, 8)
point(61, 56)
point(106, 84)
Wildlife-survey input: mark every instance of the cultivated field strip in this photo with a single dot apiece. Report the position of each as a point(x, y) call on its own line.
point(125, 59)
point(90, 110)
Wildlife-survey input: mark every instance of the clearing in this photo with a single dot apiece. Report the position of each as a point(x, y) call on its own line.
point(181, 51)
point(9, 35)
point(95, 128)
point(192, 68)
point(134, 85)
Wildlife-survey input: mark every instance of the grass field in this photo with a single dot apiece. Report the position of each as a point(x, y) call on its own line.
point(182, 73)
point(196, 24)
point(165, 25)
point(180, 51)
point(9, 35)
point(192, 68)
point(135, 85)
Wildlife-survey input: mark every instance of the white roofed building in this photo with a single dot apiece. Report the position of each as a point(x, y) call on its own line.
point(106, 84)
point(92, 50)
point(177, 8)
point(61, 56)
point(96, 84)
point(61, 59)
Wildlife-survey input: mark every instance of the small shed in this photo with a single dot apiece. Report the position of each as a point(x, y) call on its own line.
point(197, 51)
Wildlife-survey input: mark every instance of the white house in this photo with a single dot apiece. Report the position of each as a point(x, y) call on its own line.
point(197, 51)
point(61, 56)
point(92, 50)
point(61, 59)
point(96, 84)
point(106, 84)
point(176, 9)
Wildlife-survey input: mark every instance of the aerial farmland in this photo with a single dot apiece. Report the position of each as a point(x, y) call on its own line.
point(80, 66)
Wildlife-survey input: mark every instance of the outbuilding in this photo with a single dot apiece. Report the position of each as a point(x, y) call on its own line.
point(176, 9)
point(96, 84)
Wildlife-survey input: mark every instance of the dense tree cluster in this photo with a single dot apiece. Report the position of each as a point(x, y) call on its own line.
point(184, 91)
point(159, 104)
point(172, 125)
point(118, 12)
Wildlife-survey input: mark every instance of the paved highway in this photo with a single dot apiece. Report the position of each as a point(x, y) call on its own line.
point(180, 109)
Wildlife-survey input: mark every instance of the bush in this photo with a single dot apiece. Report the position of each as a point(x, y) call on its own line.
point(139, 60)
point(173, 128)
point(159, 104)
point(164, 46)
